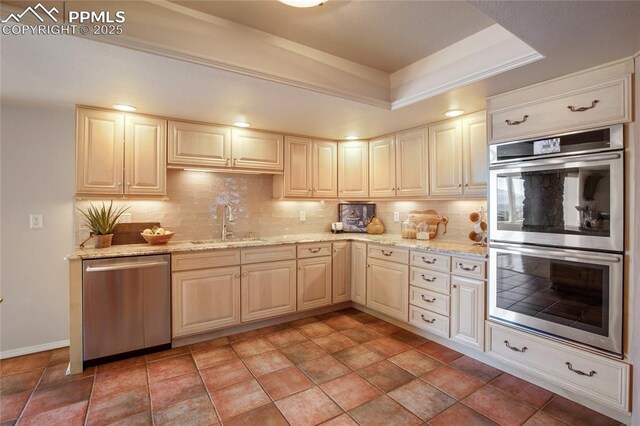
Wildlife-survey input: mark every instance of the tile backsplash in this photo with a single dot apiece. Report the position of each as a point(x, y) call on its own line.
point(194, 199)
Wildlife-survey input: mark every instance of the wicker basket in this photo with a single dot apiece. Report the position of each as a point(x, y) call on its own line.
point(156, 240)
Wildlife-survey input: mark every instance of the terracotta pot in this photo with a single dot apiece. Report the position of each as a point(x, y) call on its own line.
point(103, 241)
point(375, 226)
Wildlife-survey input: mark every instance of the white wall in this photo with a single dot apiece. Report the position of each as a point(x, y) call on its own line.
point(37, 148)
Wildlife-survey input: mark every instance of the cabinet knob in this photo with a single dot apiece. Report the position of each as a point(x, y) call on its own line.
point(1, 299)
point(335, 250)
point(244, 274)
point(454, 286)
point(466, 184)
point(228, 159)
point(119, 183)
point(459, 185)
point(128, 183)
point(236, 276)
point(368, 266)
point(300, 268)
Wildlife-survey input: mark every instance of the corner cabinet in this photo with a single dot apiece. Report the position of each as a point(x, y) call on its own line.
point(353, 170)
point(120, 154)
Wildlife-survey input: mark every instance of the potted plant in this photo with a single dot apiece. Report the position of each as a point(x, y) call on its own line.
point(101, 221)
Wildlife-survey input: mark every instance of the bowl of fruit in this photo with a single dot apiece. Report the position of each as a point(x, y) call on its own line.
point(156, 236)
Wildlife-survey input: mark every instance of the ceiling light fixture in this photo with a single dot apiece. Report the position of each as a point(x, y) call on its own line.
point(126, 108)
point(352, 137)
point(303, 3)
point(454, 112)
point(242, 124)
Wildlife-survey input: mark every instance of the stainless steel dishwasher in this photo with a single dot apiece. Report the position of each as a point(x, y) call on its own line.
point(126, 306)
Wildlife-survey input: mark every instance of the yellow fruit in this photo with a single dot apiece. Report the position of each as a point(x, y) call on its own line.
point(147, 232)
point(166, 231)
point(160, 231)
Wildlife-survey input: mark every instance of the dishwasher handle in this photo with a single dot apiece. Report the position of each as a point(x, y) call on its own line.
point(123, 266)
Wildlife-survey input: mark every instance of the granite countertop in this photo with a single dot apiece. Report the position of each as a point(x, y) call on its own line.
point(435, 245)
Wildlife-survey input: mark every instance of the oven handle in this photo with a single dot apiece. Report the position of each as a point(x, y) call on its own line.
point(602, 257)
point(551, 161)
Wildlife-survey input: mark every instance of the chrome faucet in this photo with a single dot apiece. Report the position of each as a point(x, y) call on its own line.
point(225, 220)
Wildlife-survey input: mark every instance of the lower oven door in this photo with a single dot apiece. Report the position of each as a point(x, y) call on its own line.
point(569, 294)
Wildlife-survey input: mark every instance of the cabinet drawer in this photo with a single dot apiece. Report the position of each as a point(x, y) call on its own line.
point(605, 380)
point(389, 253)
point(314, 250)
point(430, 280)
point(468, 267)
point(429, 321)
point(435, 262)
point(268, 254)
point(553, 114)
point(426, 299)
point(206, 259)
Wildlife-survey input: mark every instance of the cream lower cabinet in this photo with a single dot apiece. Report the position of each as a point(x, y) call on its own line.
point(314, 282)
point(388, 288)
point(268, 289)
point(205, 300)
point(467, 311)
point(341, 271)
point(359, 272)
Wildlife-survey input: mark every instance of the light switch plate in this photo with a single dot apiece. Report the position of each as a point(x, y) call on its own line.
point(35, 221)
point(303, 216)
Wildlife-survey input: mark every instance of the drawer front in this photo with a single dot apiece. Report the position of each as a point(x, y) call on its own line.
point(553, 114)
point(429, 300)
point(429, 321)
point(268, 254)
point(430, 280)
point(469, 267)
point(206, 259)
point(434, 262)
point(314, 250)
point(390, 253)
point(603, 379)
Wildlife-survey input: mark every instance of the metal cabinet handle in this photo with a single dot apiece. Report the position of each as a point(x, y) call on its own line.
point(454, 286)
point(459, 185)
point(580, 373)
point(368, 266)
point(430, 262)
point(513, 348)
point(123, 266)
point(315, 250)
point(515, 123)
point(431, 321)
point(1, 299)
point(428, 279)
point(581, 109)
point(428, 300)
point(466, 184)
point(387, 253)
point(465, 268)
point(235, 160)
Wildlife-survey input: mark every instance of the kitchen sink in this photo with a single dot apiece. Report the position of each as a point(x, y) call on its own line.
point(230, 241)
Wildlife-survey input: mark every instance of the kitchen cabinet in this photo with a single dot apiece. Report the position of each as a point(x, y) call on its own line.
point(193, 144)
point(467, 311)
point(325, 169)
point(353, 169)
point(411, 163)
point(359, 272)
point(311, 168)
point(120, 154)
point(314, 282)
point(341, 271)
point(268, 289)
point(474, 155)
point(256, 150)
point(388, 288)
point(382, 167)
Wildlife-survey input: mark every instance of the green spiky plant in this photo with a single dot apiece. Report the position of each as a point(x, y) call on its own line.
point(102, 220)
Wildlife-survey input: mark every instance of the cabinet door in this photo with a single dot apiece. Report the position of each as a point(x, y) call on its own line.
point(314, 282)
point(325, 169)
point(268, 289)
point(445, 158)
point(359, 272)
point(205, 300)
point(412, 163)
point(99, 152)
point(341, 268)
point(145, 155)
point(191, 144)
point(474, 155)
point(252, 149)
point(297, 167)
point(467, 311)
point(353, 169)
point(388, 288)
point(382, 167)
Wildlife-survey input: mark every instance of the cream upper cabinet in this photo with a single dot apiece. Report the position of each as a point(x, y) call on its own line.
point(145, 157)
point(99, 151)
point(268, 289)
point(388, 288)
point(467, 311)
point(341, 271)
point(474, 154)
point(314, 282)
point(353, 169)
point(445, 158)
point(382, 167)
point(192, 144)
point(298, 165)
point(257, 150)
point(412, 163)
point(325, 169)
point(359, 272)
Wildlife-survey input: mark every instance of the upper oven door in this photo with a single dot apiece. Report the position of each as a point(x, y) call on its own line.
point(565, 202)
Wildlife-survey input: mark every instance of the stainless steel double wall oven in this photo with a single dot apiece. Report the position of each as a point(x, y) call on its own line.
point(557, 236)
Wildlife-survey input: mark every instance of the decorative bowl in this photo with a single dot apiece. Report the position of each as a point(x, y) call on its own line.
point(156, 240)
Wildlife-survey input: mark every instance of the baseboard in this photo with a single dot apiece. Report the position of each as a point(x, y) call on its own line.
point(33, 349)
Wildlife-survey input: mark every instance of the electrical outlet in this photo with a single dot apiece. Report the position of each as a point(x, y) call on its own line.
point(303, 216)
point(35, 221)
point(396, 217)
point(125, 218)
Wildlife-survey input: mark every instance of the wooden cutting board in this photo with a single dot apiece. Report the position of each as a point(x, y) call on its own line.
point(432, 218)
point(129, 233)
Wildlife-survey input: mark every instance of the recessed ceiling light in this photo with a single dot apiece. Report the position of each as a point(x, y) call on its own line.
point(303, 3)
point(352, 137)
point(126, 108)
point(454, 112)
point(241, 124)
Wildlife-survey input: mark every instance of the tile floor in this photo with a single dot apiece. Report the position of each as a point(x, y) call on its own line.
point(342, 368)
